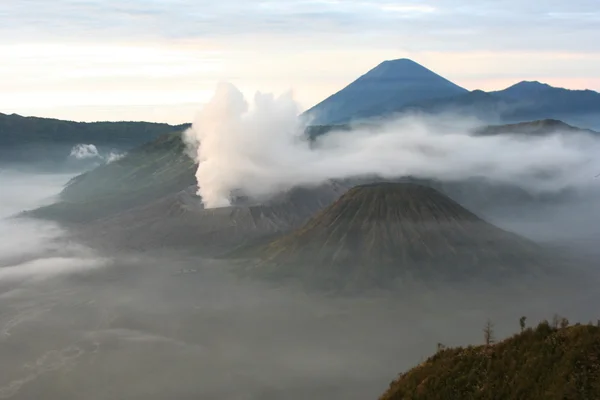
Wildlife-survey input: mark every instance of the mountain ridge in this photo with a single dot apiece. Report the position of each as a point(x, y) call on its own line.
point(384, 91)
point(49, 141)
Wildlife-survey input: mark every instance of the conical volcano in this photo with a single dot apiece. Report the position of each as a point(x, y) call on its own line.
point(387, 87)
point(390, 232)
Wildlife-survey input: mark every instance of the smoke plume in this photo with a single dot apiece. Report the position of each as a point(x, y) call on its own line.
point(261, 149)
point(90, 152)
point(83, 151)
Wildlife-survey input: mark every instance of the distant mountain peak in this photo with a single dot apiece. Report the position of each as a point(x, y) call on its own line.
point(530, 85)
point(400, 61)
point(401, 68)
point(383, 89)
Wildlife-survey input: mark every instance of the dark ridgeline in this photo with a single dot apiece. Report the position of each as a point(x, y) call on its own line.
point(545, 101)
point(383, 234)
point(48, 141)
point(17, 130)
point(538, 127)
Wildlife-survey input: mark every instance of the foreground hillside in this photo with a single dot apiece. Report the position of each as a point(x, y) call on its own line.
point(542, 363)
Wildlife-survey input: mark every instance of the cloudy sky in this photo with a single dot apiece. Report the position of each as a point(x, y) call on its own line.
point(160, 60)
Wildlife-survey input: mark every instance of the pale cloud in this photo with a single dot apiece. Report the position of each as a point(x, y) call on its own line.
point(410, 9)
point(499, 23)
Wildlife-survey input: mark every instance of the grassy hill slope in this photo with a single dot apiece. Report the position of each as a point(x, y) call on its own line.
point(545, 363)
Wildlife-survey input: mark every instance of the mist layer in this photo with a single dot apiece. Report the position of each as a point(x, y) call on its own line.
point(260, 148)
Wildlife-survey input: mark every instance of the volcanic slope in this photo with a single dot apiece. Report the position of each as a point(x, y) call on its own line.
point(386, 234)
point(180, 221)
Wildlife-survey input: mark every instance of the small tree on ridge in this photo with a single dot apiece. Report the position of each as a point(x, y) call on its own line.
point(488, 333)
point(522, 323)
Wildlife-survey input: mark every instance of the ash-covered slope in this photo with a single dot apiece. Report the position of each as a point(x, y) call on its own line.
point(180, 221)
point(385, 233)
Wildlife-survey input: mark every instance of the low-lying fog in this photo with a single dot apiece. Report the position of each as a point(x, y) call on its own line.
point(75, 324)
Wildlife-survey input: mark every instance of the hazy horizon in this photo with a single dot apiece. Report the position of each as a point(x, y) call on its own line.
point(160, 61)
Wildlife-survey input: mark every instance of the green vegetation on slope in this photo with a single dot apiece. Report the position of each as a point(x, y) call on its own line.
point(545, 363)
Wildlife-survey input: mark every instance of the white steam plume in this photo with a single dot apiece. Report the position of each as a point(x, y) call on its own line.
point(90, 151)
point(262, 149)
point(84, 151)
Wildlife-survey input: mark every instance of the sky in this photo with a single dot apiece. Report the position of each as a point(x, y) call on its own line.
point(160, 60)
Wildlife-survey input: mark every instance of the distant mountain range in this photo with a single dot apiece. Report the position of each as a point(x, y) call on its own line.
point(49, 141)
point(393, 87)
point(402, 86)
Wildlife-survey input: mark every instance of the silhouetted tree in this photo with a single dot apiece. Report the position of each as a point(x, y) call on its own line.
point(555, 321)
point(488, 333)
point(522, 323)
point(564, 323)
point(440, 347)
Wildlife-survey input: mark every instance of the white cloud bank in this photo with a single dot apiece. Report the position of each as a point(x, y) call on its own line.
point(261, 148)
